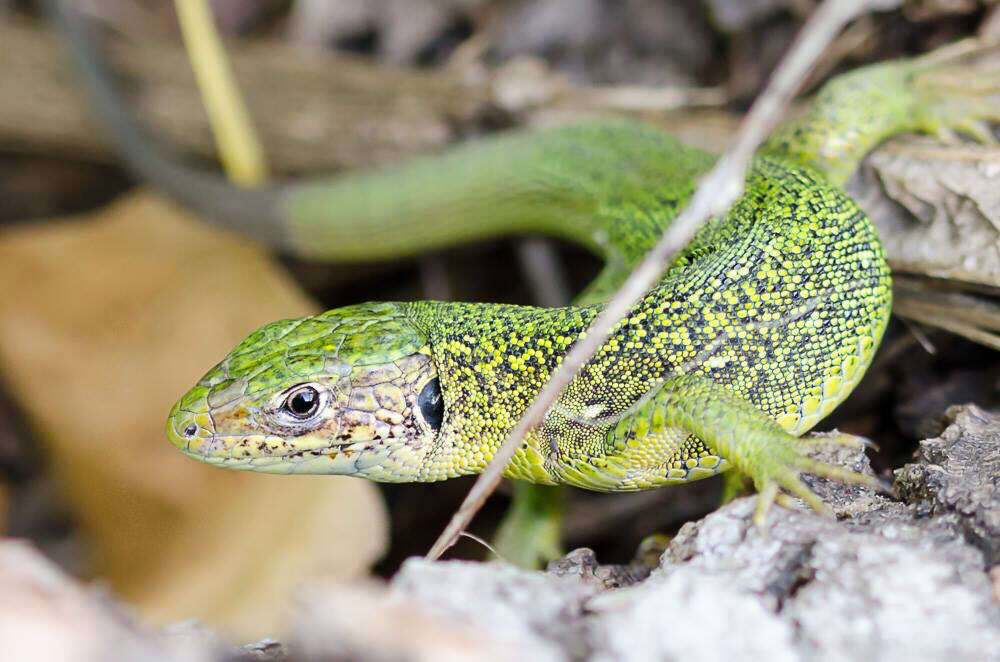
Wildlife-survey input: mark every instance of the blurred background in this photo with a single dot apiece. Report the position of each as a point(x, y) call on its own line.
point(114, 301)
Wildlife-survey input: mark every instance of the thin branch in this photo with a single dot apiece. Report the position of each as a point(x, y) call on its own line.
point(239, 149)
point(716, 192)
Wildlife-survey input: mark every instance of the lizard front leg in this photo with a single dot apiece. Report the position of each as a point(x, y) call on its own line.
point(691, 427)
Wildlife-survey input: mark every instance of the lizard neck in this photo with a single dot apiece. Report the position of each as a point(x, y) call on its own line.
point(491, 360)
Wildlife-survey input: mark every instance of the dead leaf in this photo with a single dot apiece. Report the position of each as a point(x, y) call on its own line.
point(104, 321)
point(937, 210)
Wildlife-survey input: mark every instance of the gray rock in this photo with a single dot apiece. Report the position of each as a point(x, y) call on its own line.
point(887, 580)
point(47, 615)
point(582, 563)
point(957, 476)
point(687, 615)
point(896, 592)
point(540, 613)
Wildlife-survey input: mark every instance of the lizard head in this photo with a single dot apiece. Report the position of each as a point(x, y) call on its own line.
point(351, 391)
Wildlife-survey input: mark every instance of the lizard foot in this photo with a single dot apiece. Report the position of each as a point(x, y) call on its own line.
point(779, 464)
point(959, 91)
point(531, 533)
point(753, 443)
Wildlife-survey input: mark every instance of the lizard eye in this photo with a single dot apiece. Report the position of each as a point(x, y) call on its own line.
point(302, 403)
point(431, 403)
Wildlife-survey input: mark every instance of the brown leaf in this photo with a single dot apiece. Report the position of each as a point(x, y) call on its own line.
point(104, 321)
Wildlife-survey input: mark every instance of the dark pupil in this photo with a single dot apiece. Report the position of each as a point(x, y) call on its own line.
point(431, 403)
point(303, 403)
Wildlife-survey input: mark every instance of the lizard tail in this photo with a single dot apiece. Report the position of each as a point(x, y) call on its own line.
point(257, 212)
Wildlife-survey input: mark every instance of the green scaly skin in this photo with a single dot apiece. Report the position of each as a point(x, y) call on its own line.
point(757, 330)
point(781, 302)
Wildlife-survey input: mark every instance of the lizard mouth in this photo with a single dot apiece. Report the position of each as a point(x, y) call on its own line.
point(344, 441)
point(194, 435)
point(193, 430)
point(269, 455)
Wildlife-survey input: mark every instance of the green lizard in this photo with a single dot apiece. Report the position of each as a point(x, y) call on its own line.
point(756, 331)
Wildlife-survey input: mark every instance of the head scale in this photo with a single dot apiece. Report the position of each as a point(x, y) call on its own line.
point(351, 391)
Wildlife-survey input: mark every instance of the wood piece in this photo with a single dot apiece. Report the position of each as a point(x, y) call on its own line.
point(314, 112)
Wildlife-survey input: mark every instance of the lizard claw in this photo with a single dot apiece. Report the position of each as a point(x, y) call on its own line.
point(835, 437)
point(979, 130)
point(777, 475)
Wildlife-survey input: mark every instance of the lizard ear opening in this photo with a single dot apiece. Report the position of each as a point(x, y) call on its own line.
point(431, 404)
